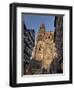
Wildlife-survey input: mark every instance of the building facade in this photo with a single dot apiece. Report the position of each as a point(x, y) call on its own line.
point(45, 49)
point(57, 64)
point(28, 40)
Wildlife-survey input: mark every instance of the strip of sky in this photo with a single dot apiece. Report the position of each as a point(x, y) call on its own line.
point(33, 21)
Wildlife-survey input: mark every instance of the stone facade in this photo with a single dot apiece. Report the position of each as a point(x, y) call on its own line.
point(44, 49)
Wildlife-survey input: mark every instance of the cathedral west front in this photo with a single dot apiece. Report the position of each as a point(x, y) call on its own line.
point(44, 49)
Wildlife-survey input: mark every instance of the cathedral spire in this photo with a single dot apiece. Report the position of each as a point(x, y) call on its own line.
point(42, 28)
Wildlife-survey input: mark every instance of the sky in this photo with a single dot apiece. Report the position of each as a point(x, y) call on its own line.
point(33, 21)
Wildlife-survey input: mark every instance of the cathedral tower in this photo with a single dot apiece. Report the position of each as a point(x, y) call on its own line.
point(45, 48)
point(41, 33)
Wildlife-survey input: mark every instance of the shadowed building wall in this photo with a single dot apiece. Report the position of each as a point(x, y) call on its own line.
point(28, 40)
point(57, 65)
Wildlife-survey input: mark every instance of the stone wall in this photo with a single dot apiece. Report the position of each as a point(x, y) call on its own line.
point(44, 49)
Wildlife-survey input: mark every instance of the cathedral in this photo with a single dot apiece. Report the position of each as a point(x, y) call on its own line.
point(44, 49)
